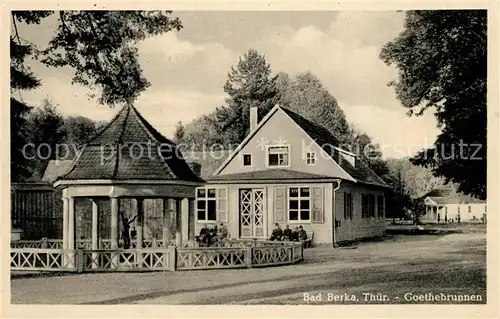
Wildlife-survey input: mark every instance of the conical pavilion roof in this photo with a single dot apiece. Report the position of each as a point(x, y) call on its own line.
point(129, 148)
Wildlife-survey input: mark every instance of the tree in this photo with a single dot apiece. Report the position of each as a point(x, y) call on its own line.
point(79, 130)
point(203, 132)
point(307, 96)
point(179, 132)
point(19, 168)
point(98, 45)
point(249, 84)
point(44, 130)
point(361, 144)
point(441, 58)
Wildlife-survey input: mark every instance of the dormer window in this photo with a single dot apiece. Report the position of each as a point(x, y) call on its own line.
point(311, 158)
point(278, 156)
point(247, 159)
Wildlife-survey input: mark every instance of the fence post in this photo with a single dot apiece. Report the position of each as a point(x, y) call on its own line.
point(248, 257)
point(172, 257)
point(154, 243)
point(79, 260)
point(45, 243)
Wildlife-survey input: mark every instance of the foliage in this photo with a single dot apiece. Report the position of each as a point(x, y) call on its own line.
point(79, 129)
point(19, 169)
point(249, 84)
point(179, 132)
point(441, 58)
point(307, 96)
point(21, 77)
point(45, 129)
point(202, 132)
point(98, 45)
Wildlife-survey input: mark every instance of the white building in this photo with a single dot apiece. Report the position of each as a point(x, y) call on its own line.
point(442, 205)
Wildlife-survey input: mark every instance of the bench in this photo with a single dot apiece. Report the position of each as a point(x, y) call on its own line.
point(308, 241)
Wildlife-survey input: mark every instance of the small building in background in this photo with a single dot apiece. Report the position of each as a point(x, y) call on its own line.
point(445, 205)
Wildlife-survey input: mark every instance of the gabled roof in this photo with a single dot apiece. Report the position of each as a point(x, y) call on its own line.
point(330, 144)
point(325, 139)
point(130, 148)
point(269, 174)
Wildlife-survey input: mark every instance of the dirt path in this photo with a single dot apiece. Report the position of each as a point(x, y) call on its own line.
point(411, 264)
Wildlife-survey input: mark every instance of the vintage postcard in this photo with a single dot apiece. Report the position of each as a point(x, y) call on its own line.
point(342, 158)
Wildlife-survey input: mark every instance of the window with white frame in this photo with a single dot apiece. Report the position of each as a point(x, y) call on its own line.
point(311, 158)
point(206, 204)
point(278, 155)
point(299, 204)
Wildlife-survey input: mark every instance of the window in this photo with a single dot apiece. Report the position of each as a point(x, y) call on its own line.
point(380, 206)
point(364, 206)
point(368, 205)
point(372, 205)
point(311, 158)
point(469, 209)
point(299, 204)
point(247, 159)
point(347, 206)
point(206, 204)
point(278, 156)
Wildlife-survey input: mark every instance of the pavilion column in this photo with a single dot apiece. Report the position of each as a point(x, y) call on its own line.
point(178, 223)
point(185, 220)
point(71, 232)
point(114, 231)
point(65, 230)
point(191, 230)
point(168, 204)
point(95, 232)
point(140, 223)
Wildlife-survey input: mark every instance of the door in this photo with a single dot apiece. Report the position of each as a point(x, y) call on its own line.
point(252, 219)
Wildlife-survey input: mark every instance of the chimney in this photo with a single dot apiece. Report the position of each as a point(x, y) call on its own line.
point(253, 117)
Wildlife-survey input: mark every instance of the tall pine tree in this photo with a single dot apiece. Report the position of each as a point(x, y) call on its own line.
point(249, 84)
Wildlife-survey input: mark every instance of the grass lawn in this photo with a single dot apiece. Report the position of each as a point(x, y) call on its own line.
point(401, 265)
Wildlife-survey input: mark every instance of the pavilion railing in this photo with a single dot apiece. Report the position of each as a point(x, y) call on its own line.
point(82, 243)
point(226, 254)
point(36, 259)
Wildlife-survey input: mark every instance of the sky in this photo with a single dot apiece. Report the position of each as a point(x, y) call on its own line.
point(187, 69)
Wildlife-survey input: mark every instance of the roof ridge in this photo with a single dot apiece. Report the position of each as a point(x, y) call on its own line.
point(107, 126)
point(122, 131)
point(149, 129)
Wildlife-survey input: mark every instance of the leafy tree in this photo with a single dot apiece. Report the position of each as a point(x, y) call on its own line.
point(441, 57)
point(45, 129)
point(19, 169)
point(249, 84)
point(98, 45)
point(203, 132)
point(361, 144)
point(179, 132)
point(79, 130)
point(307, 96)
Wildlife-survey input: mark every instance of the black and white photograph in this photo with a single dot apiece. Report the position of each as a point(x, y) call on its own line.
point(250, 157)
